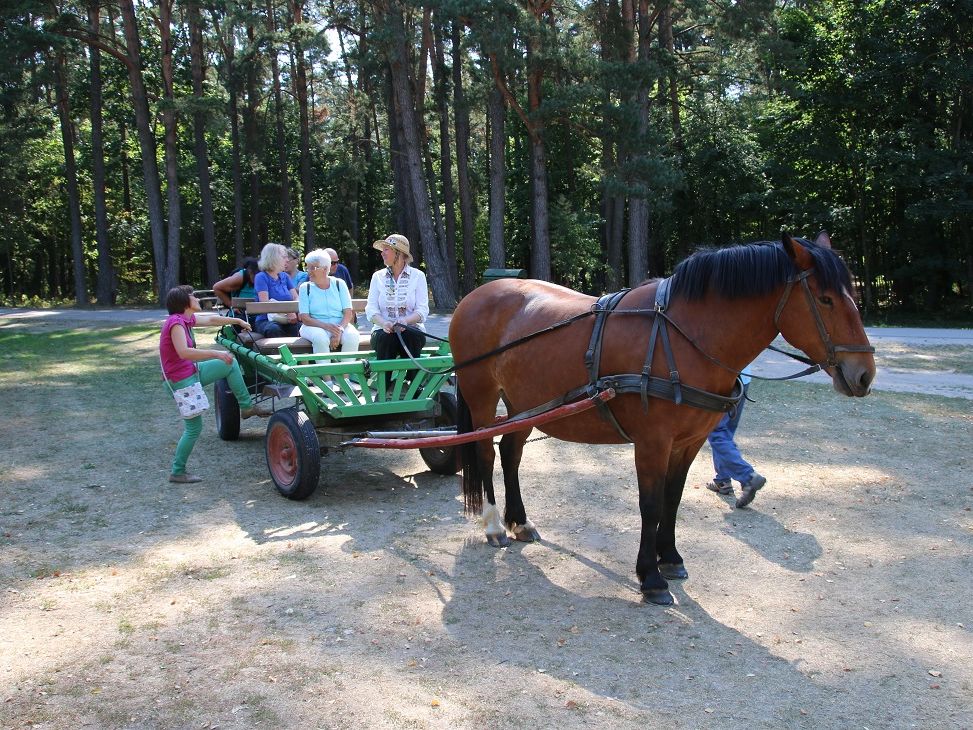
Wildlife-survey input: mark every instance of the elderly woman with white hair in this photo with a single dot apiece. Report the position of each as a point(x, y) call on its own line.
point(274, 283)
point(397, 295)
point(324, 308)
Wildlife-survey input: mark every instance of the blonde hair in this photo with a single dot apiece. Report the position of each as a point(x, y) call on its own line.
point(271, 254)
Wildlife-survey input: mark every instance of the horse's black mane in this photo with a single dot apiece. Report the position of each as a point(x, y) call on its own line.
point(753, 269)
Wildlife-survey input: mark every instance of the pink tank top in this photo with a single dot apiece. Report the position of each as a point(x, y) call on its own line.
point(174, 367)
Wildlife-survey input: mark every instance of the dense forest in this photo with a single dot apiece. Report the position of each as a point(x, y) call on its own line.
point(592, 142)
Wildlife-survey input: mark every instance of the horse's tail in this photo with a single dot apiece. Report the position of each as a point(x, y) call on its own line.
point(472, 473)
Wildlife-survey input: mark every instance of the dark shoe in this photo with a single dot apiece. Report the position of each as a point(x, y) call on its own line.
point(262, 410)
point(750, 489)
point(184, 478)
point(720, 487)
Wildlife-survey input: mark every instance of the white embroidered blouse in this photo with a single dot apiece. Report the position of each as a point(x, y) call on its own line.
point(393, 299)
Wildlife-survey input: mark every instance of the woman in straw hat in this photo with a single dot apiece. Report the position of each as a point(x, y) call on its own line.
point(397, 295)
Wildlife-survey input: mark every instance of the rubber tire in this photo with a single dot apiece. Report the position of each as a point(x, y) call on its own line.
point(293, 453)
point(227, 411)
point(443, 460)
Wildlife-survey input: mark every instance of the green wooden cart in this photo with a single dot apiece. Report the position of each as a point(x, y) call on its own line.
point(320, 407)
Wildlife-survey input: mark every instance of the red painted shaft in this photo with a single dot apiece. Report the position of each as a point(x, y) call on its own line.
point(485, 433)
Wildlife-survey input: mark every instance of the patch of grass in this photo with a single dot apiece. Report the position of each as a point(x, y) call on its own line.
point(916, 357)
point(69, 506)
point(125, 626)
point(210, 573)
point(45, 571)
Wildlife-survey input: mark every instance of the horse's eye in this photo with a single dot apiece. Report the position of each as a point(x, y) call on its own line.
point(825, 300)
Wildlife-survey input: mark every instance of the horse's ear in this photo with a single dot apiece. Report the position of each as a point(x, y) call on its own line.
point(823, 240)
point(797, 253)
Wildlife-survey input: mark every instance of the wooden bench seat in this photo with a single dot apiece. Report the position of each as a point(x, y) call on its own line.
point(297, 345)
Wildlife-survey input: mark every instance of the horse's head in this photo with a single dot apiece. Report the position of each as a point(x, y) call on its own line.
point(818, 315)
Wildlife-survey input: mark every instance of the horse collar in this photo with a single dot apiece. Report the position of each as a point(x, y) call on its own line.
point(662, 294)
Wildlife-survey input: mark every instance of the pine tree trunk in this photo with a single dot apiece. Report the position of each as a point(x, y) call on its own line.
point(143, 125)
point(171, 148)
point(300, 83)
point(358, 143)
point(70, 177)
point(252, 139)
point(496, 117)
point(405, 219)
point(286, 211)
point(461, 121)
point(445, 153)
point(106, 272)
point(200, 148)
point(439, 281)
point(638, 207)
point(540, 252)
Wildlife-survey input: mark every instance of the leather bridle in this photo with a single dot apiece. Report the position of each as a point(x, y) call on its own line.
point(831, 348)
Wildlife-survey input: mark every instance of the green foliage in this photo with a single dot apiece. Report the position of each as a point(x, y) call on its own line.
point(829, 114)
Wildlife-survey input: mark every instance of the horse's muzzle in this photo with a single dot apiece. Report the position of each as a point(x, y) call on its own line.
point(853, 378)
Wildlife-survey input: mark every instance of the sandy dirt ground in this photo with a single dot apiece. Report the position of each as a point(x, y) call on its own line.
point(841, 599)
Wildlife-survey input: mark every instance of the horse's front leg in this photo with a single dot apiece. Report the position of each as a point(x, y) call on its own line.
point(652, 480)
point(670, 561)
point(515, 516)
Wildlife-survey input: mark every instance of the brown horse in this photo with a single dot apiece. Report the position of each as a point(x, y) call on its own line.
point(725, 307)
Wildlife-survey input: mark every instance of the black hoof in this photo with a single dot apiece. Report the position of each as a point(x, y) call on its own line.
point(673, 571)
point(658, 596)
point(498, 540)
point(528, 534)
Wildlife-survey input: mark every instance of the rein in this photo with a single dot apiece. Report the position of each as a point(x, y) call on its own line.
point(606, 305)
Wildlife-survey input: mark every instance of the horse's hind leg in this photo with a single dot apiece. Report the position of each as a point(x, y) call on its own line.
point(496, 533)
point(478, 460)
point(515, 516)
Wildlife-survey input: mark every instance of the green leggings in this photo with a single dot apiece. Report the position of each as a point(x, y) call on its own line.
point(208, 371)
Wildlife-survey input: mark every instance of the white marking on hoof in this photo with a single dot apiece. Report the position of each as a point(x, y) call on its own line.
point(492, 522)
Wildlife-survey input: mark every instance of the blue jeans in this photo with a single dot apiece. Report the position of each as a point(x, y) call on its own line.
point(273, 329)
point(727, 460)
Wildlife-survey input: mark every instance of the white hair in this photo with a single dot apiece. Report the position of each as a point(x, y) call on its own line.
point(318, 257)
point(272, 254)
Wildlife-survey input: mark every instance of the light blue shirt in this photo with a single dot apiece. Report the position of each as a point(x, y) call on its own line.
point(328, 305)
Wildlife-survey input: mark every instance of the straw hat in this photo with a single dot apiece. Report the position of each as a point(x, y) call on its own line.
point(396, 242)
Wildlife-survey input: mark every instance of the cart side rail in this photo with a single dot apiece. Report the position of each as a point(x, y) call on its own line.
point(352, 385)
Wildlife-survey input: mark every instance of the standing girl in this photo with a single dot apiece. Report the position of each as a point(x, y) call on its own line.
point(183, 364)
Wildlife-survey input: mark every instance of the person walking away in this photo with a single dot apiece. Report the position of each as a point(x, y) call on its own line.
point(728, 462)
point(183, 364)
point(325, 309)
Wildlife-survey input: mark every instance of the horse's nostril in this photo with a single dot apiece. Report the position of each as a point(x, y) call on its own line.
point(866, 379)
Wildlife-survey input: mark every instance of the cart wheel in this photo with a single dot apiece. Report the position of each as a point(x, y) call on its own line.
point(293, 453)
point(443, 460)
point(226, 410)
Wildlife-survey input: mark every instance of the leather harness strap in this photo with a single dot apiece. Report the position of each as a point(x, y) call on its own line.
point(592, 357)
point(646, 384)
